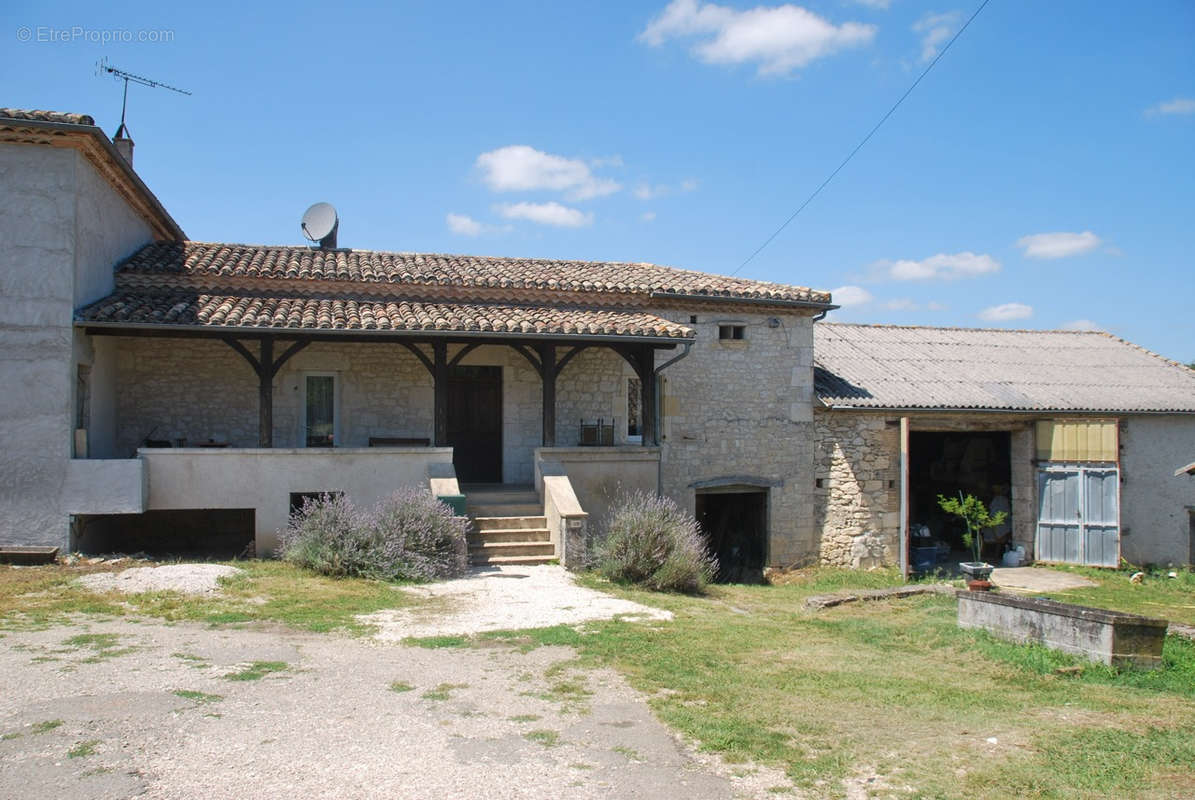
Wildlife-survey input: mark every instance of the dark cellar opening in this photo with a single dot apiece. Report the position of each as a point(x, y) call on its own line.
point(975, 463)
point(221, 533)
point(736, 525)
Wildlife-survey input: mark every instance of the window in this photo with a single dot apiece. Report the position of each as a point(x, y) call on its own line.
point(319, 401)
point(732, 332)
point(634, 410)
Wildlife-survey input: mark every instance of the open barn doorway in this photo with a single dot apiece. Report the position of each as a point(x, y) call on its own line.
point(946, 463)
point(735, 520)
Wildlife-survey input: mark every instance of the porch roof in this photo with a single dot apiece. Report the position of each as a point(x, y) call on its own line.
point(227, 313)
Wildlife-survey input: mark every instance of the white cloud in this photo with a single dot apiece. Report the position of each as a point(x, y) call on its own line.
point(851, 296)
point(935, 30)
point(647, 191)
point(1080, 325)
point(943, 266)
point(901, 304)
point(1058, 245)
point(551, 213)
point(519, 168)
point(882, 5)
point(1179, 105)
point(464, 225)
point(935, 306)
point(1006, 311)
point(779, 39)
point(648, 216)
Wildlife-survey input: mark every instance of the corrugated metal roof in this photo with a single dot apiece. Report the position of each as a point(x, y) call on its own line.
point(906, 367)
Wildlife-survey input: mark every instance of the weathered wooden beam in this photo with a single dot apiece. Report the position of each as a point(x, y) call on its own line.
point(547, 358)
point(464, 351)
point(647, 381)
point(244, 351)
point(527, 354)
point(265, 396)
point(427, 362)
point(440, 401)
point(569, 356)
point(287, 353)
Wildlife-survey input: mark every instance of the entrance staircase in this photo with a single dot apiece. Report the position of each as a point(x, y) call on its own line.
point(509, 526)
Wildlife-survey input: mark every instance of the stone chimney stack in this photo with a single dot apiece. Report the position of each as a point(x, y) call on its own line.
point(124, 144)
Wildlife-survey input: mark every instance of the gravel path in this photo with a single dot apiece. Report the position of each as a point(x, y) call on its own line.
point(137, 708)
point(186, 578)
point(505, 598)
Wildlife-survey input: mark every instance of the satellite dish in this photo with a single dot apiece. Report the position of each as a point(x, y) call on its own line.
point(320, 223)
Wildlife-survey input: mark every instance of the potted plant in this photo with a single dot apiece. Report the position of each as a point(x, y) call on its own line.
point(976, 517)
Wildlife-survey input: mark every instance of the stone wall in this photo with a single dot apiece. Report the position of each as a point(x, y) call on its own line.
point(857, 488)
point(740, 412)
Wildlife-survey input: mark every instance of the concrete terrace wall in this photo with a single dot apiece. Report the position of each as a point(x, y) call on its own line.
point(263, 480)
point(1155, 503)
point(743, 409)
point(62, 231)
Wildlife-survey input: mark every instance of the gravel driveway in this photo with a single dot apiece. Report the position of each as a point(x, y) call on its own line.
point(128, 708)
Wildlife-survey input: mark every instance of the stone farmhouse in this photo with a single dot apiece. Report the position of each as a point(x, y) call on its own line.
point(186, 396)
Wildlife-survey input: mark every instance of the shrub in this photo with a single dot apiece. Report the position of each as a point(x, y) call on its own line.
point(409, 535)
point(651, 542)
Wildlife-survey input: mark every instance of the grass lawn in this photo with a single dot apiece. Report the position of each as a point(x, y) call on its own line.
point(1158, 595)
point(896, 692)
point(268, 591)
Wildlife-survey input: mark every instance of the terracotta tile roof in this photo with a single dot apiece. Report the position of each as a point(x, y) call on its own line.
point(46, 116)
point(213, 263)
point(906, 367)
point(189, 308)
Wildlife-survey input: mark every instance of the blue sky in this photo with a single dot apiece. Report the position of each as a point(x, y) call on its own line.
point(1042, 176)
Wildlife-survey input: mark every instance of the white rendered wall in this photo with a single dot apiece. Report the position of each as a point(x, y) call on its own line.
point(1154, 502)
point(62, 230)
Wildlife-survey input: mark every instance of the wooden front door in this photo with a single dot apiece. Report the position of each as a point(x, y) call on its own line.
point(475, 423)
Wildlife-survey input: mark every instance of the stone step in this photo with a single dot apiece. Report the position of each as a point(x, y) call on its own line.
point(508, 523)
point(499, 494)
point(490, 550)
point(506, 510)
point(479, 560)
point(511, 535)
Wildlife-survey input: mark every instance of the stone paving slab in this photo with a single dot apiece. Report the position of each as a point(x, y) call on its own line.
point(1037, 579)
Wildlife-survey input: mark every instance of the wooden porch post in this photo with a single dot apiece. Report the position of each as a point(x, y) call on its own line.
point(266, 368)
point(440, 402)
point(547, 360)
point(265, 394)
point(647, 382)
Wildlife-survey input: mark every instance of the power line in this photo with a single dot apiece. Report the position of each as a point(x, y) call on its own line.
point(865, 140)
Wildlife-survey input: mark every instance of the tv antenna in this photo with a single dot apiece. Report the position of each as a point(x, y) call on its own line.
point(103, 66)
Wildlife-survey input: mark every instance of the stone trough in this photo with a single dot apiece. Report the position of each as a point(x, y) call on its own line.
point(1109, 637)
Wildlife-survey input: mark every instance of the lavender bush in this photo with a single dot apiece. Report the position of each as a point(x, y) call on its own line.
point(409, 535)
point(651, 542)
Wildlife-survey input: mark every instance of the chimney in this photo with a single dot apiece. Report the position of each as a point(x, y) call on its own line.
point(124, 145)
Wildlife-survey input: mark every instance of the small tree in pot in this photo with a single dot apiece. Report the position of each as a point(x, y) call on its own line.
point(977, 518)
